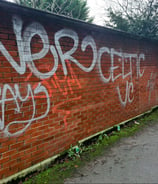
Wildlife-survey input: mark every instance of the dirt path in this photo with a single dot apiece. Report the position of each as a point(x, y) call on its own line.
point(132, 160)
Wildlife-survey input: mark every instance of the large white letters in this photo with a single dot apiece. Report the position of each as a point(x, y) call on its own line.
point(24, 37)
point(68, 55)
point(16, 96)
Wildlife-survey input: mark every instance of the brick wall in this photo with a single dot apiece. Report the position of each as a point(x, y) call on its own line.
point(63, 80)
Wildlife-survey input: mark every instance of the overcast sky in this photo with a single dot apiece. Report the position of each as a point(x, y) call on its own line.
point(97, 10)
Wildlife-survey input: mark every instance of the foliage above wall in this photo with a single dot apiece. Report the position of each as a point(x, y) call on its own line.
point(77, 9)
point(136, 17)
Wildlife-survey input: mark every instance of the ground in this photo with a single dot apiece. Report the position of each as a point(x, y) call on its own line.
point(131, 160)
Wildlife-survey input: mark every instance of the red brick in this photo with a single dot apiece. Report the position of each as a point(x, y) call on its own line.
point(81, 102)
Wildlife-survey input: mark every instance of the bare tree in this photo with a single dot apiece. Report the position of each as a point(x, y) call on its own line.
point(134, 16)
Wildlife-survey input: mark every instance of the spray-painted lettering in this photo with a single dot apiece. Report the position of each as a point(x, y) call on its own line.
point(24, 38)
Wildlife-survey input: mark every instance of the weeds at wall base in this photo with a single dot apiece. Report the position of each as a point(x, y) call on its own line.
point(79, 155)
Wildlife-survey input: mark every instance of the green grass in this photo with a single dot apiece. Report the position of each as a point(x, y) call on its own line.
point(58, 172)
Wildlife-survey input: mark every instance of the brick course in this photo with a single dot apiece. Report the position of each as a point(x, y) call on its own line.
point(63, 80)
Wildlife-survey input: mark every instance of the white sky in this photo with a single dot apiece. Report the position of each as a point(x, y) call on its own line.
point(97, 10)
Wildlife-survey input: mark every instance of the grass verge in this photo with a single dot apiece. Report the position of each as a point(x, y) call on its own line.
point(65, 166)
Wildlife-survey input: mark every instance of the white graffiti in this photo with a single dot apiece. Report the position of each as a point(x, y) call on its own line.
point(123, 58)
point(24, 49)
point(129, 90)
point(88, 40)
point(16, 96)
point(24, 36)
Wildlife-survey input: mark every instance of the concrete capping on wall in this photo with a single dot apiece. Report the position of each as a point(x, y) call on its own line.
point(38, 167)
point(44, 164)
point(63, 81)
